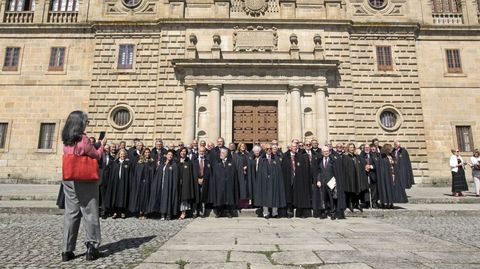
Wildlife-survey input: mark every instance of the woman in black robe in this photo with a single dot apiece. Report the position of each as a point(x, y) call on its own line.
point(118, 187)
point(186, 184)
point(142, 178)
point(240, 160)
point(385, 175)
point(223, 190)
point(356, 181)
point(398, 188)
point(164, 189)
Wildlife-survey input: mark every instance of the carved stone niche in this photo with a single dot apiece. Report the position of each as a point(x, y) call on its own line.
point(255, 39)
point(119, 7)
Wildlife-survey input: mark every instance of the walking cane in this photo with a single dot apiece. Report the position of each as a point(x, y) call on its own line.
point(370, 193)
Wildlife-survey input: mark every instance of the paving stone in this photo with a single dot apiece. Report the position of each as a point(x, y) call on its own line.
point(194, 256)
point(249, 257)
point(157, 266)
point(322, 247)
point(346, 266)
point(405, 265)
point(296, 257)
point(228, 265)
point(265, 266)
point(451, 257)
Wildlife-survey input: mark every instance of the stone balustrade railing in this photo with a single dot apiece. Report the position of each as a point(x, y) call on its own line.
point(18, 17)
point(448, 18)
point(62, 16)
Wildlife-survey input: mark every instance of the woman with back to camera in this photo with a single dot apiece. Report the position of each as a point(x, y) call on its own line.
point(81, 197)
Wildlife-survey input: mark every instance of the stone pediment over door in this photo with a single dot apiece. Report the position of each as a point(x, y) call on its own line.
point(253, 71)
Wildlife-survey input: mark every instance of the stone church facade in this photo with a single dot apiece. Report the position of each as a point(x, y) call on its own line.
point(247, 70)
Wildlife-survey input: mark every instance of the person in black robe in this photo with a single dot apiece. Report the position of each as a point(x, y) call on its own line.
point(398, 189)
point(133, 150)
point(385, 175)
point(223, 190)
point(118, 186)
point(214, 155)
point(158, 153)
point(186, 183)
point(142, 178)
point(240, 160)
point(371, 161)
point(325, 191)
point(270, 186)
point(201, 177)
point(313, 158)
point(355, 178)
point(104, 166)
point(403, 165)
point(339, 196)
point(253, 172)
point(164, 194)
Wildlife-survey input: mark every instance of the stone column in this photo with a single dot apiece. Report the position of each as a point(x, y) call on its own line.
point(189, 114)
point(321, 113)
point(296, 112)
point(214, 116)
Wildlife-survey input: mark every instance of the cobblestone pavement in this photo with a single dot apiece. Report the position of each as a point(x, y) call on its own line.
point(457, 229)
point(34, 241)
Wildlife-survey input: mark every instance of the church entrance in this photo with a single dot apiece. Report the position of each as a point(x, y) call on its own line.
point(254, 121)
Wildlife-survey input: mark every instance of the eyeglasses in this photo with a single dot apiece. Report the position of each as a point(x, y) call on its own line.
point(308, 145)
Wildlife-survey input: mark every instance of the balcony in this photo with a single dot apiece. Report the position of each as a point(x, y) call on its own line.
point(448, 18)
point(62, 16)
point(18, 17)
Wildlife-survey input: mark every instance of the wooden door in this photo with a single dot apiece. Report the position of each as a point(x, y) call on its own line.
point(255, 121)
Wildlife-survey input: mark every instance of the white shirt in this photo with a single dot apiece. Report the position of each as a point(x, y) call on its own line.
point(454, 163)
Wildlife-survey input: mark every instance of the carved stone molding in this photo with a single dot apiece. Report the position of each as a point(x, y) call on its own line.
point(116, 7)
point(392, 8)
point(255, 39)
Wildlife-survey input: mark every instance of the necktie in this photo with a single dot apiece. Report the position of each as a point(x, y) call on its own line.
point(293, 163)
point(325, 160)
point(368, 159)
point(201, 167)
point(269, 159)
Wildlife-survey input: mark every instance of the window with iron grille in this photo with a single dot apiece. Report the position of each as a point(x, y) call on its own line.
point(446, 6)
point(454, 65)
point(46, 136)
point(388, 119)
point(3, 134)
point(57, 59)
point(125, 56)
point(21, 5)
point(378, 4)
point(64, 5)
point(464, 138)
point(384, 58)
point(121, 117)
point(12, 58)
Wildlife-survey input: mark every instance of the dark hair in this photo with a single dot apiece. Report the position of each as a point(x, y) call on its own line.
point(387, 149)
point(74, 127)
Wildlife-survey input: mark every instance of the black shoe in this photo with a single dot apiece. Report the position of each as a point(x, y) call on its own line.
point(229, 215)
point(323, 215)
point(92, 252)
point(341, 215)
point(266, 216)
point(359, 207)
point(67, 256)
point(333, 217)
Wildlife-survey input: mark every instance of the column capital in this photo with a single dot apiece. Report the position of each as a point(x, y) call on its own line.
point(321, 87)
point(190, 87)
point(295, 87)
point(215, 87)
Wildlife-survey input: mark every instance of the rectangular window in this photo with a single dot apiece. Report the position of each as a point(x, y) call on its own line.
point(21, 5)
point(446, 6)
point(45, 140)
point(64, 5)
point(3, 134)
point(384, 58)
point(454, 65)
point(464, 138)
point(125, 56)
point(57, 59)
point(12, 57)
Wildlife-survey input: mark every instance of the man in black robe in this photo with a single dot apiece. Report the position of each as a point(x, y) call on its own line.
point(253, 166)
point(356, 182)
point(214, 155)
point(159, 152)
point(403, 165)
point(223, 191)
point(371, 162)
point(131, 151)
point(270, 185)
point(201, 176)
point(324, 196)
point(104, 165)
point(193, 152)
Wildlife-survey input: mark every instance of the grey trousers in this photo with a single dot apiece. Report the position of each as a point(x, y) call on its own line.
point(81, 202)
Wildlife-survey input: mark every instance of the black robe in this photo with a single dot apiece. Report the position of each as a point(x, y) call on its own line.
point(252, 175)
point(302, 182)
point(245, 185)
point(214, 154)
point(322, 175)
point(159, 157)
point(186, 184)
point(118, 188)
point(385, 174)
point(403, 168)
point(104, 176)
point(223, 188)
point(354, 172)
point(270, 188)
point(164, 197)
point(142, 180)
point(201, 191)
point(337, 163)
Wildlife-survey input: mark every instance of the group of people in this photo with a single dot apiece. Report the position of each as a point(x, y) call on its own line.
point(305, 180)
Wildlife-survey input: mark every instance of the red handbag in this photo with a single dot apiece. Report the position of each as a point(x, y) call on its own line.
point(79, 167)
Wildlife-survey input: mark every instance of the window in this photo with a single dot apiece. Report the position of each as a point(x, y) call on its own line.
point(384, 58)
point(21, 5)
point(12, 56)
point(125, 56)
point(388, 119)
point(64, 5)
point(446, 6)
point(464, 138)
point(131, 3)
point(454, 64)
point(121, 117)
point(378, 4)
point(57, 59)
point(45, 140)
point(3, 134)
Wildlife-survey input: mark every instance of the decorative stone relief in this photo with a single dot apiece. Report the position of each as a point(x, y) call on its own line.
point(255, 8)
point(120, 7)
point(389, 8)
point(255, 39)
